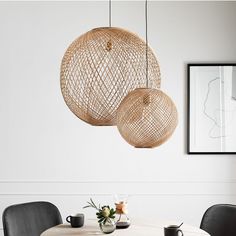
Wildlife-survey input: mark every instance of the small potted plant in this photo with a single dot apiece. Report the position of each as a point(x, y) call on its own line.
point(105, 215)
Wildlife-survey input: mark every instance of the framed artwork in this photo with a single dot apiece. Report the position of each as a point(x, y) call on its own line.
point(211, 109)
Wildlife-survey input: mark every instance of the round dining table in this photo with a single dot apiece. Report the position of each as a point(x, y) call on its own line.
point(137, 228)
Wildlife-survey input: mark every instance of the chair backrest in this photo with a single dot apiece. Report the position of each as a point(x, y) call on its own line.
point(220, 220)
point(30, 219)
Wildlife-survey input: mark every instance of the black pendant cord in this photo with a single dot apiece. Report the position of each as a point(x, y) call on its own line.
point(109, 13)
point(146, 21)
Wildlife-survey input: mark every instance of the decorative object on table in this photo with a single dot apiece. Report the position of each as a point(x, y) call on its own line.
point(173, 230)
point(100, 68)
point(147, 117)
point(76, 221)
point(211, 108)
point(121, 204)
point(105, 215)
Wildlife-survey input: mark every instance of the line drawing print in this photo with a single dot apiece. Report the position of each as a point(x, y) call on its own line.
point(216, 123)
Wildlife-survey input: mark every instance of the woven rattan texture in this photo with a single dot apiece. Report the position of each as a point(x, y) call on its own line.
point(146, 118)
point(100, 68)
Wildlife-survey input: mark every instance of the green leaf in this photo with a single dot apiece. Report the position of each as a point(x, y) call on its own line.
point(112, 211)
point(93, 203)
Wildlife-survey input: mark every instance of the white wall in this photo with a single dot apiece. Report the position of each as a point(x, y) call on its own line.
point(48, 154)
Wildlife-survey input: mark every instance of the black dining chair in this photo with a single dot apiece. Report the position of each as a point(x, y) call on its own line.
point(30, 219)
point(220, 220)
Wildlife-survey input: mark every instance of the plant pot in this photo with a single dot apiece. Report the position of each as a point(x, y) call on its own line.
point(108, 227)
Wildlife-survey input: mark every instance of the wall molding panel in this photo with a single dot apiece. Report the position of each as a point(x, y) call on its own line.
point(104, 188)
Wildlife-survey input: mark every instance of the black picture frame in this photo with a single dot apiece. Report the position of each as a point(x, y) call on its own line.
point(189, 65)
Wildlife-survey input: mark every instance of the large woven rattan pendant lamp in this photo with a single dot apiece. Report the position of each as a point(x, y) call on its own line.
point(100, 68)
point(146, 117)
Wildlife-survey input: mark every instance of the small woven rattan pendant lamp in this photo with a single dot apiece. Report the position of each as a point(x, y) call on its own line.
point(146, 117)
point(100, 68)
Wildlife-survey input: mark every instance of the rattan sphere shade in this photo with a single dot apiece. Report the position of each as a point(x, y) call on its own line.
point(100, 68)
point(146, 118)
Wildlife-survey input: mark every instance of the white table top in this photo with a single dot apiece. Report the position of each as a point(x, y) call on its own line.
point(137, 228)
